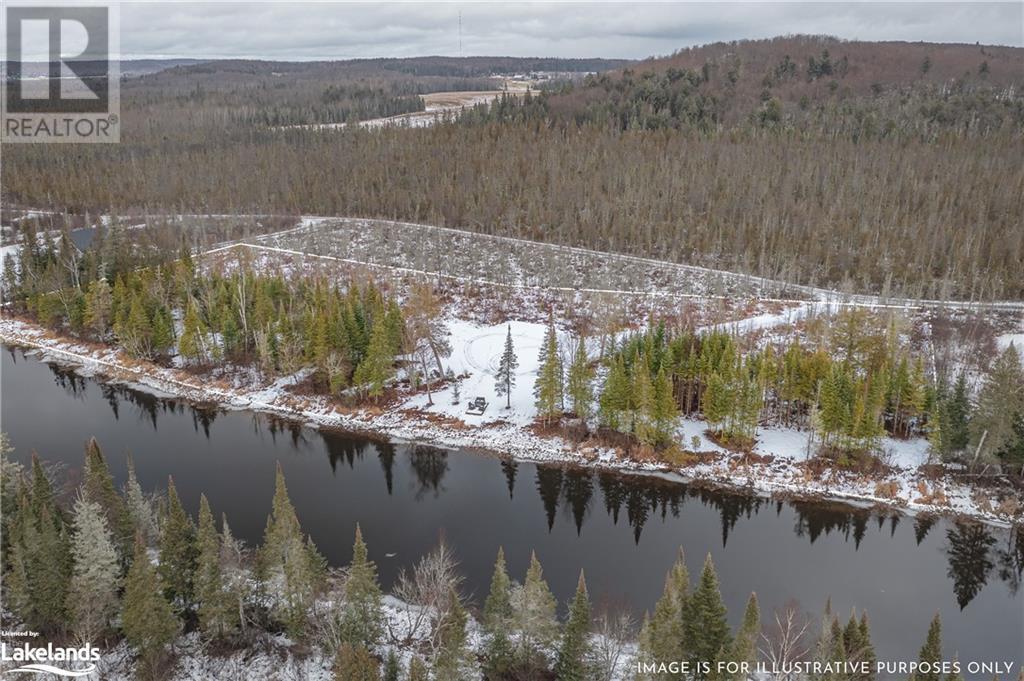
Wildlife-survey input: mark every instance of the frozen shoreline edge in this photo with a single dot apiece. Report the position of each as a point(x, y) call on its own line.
point(399, 427)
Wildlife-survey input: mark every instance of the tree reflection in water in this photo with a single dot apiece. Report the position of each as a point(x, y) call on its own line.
point(429, 464)
point(969, 560)
point(972, 549)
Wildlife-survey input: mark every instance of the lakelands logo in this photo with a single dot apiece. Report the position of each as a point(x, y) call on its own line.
point(59, 82)
point(50, 659)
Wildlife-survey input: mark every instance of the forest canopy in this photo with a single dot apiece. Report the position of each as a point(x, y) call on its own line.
point(872, 167)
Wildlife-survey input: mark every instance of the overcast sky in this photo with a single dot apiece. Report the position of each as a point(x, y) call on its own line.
point(336, 30)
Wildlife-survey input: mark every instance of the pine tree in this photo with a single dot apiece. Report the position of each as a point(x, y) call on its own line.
point(642, 395)
point(148, 622)
point(1000, 401)
point(574, 649)
point(497, 618)
point(706, 628)
point(867, 652)
point(417, 670)
point(291, 566)
point(716, 402)
point(39, 563)
point(177, 552)
point(957, 416)
point(547, 389)
point(392, 669)
point(614, 395)
point(376, 368)
point(99, 487)
point(581, 394)
point(95, 579)
point(534, 607)
point(931, 653)
point(453, 655)
point(234, 572)
point(192, 342)
point(361, 616)
point(216, 609)
point(665, 629)
point(664, 409)
point(98, 307)
point(505, 379)
point(354, 663)
point(139, 508)
point(744, 646)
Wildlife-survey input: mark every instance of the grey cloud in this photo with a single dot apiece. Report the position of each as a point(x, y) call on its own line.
point(348, 30)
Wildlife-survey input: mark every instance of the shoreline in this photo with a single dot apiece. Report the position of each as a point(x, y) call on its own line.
point(775, 480)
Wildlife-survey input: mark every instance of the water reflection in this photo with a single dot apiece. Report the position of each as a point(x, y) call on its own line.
point(429, 464)
point(975, 553)
point(970, 562)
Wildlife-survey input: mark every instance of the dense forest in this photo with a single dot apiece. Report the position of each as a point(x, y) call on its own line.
point(84, 571)
point(882, 167)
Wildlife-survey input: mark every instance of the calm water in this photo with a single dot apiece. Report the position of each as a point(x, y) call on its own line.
point(623, 531)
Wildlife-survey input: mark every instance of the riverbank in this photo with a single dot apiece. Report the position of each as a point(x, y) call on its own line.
point(777, 470)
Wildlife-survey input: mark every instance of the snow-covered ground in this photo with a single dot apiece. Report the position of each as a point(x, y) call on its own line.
point(476, 349)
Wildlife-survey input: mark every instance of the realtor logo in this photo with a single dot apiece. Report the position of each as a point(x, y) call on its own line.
point(60, 84)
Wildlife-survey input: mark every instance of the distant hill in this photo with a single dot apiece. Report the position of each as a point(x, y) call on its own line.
point(129, 68)
point(766, 80)
point(458, 67)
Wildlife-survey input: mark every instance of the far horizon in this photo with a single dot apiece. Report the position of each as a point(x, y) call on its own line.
point(339, 32)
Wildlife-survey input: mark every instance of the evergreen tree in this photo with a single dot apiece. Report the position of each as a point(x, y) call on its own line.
point(417, 670)
point(665, 629)
point(574, 649)
point(392, 669)
point(1000, 401)
point(95, 579)
point(505, 379)
point(361, 616)
point(956, 417)
point(581, 394)
point(867, 651)
point(744, 646)
point(547, 389)
point(139, 508)
point(99, 487)
point(376, 368)
point(98, 307)
point(192, 342)
point(664, 409)
point(534, 607)
point(453, 655)
point(716, 402)
point(177, 552)
point(354, 663)
point(291, 566)
point(216, 609)
point(615, 394)
point(147, 619)
point(931, 653)
point(39, 564)
point(706, 628)
point(497, 618)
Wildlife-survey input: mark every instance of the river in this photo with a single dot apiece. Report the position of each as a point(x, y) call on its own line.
point(623, 530)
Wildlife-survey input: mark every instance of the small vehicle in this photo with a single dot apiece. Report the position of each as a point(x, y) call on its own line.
point(477, 406)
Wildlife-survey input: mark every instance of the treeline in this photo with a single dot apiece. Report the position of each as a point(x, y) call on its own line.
point(853, 381)
point(912, 218)
point(88, 572)
point(814, 84)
